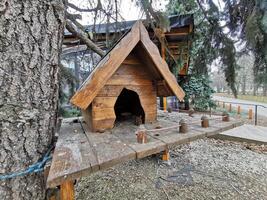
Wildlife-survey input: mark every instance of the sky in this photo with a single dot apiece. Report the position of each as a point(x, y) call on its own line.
point(128, 9)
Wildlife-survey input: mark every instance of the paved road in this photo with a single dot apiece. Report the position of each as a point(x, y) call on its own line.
point(261, 111)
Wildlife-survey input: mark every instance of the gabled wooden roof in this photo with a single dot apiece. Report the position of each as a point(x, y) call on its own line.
point(114, 58)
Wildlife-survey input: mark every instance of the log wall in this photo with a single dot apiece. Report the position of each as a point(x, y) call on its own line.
point(132, 75)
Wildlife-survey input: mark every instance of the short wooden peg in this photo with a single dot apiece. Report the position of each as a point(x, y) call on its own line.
point(204, 121)
point(67, 190)
point(141, 136)
point(238, 110)
point(183, 126)
point(166, 155)
point(225, 117)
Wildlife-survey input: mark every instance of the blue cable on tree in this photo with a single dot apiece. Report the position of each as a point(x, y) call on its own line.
point(37, 167)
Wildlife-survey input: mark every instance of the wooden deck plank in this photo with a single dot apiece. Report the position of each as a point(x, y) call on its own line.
point(110, 150)
point(152, 146)
point(78, 154)
point(72, 157)
point(246, 133)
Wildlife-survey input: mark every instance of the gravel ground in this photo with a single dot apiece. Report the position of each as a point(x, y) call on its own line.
point(204, 169)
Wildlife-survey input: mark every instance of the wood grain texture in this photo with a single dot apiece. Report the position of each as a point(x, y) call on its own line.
point(87, 116)
point(133, 77)
point(106, 68)
point(73, 156)
point(67, 191)
point(161, 64)
point(116, 59)
point(77, 154)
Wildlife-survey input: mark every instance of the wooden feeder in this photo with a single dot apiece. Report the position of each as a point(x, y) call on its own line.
point(126, 82)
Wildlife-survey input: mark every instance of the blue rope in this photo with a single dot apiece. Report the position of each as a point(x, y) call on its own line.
point(37, 167)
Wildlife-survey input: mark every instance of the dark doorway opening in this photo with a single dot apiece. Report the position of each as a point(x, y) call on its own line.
point(128, 106)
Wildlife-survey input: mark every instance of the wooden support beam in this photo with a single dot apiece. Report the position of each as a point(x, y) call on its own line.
point(165, 103)
point(163, 55)
point(67, 190)
point(166, 155)
point(176, 34)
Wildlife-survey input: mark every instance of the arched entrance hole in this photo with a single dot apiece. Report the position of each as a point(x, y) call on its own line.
point(128, 106)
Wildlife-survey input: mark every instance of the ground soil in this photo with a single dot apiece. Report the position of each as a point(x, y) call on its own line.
point(204, 169)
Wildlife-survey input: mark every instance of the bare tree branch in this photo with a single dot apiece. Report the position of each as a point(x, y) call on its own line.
point(83, 36)
point(98, 7)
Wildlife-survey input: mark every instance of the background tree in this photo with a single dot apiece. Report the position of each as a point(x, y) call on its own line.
point(31, 34)
point(221, 30)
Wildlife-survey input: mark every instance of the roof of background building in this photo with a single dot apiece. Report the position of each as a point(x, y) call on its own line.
point(176, 21)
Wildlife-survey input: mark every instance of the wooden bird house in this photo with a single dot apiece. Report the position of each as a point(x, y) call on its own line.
point(127, 80)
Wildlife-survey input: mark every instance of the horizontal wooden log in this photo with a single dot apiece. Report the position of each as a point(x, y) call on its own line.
point(128, 80)
point(103, 113)
point(104, 102)
point(115, 90)
point(106, 68)
point(137, 70)
point(99, 125)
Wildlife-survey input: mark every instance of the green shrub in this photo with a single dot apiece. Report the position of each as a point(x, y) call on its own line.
point(199, 93)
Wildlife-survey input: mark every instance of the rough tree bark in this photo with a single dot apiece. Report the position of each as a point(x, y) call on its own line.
point(31, 33)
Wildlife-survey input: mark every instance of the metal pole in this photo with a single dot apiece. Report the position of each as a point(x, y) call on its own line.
point(256, 114)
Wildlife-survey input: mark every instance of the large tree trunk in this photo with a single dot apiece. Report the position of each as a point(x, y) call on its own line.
point(31, 33)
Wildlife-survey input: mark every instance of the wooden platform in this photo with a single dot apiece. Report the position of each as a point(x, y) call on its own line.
point(80, 152)
point(246, 133)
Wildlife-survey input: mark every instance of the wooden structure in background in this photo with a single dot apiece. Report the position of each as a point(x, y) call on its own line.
point(178, 38)
point(128, 79)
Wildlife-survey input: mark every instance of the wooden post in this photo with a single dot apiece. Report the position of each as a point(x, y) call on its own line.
point(165, 103)
point(141, 136)
point(183, 126)
point(163, 55)
point(204, 122)
point(67, 190)
point(250, 113)
point(225, 117)
point(230, 107)
point(238, 110)
point(166, 155)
